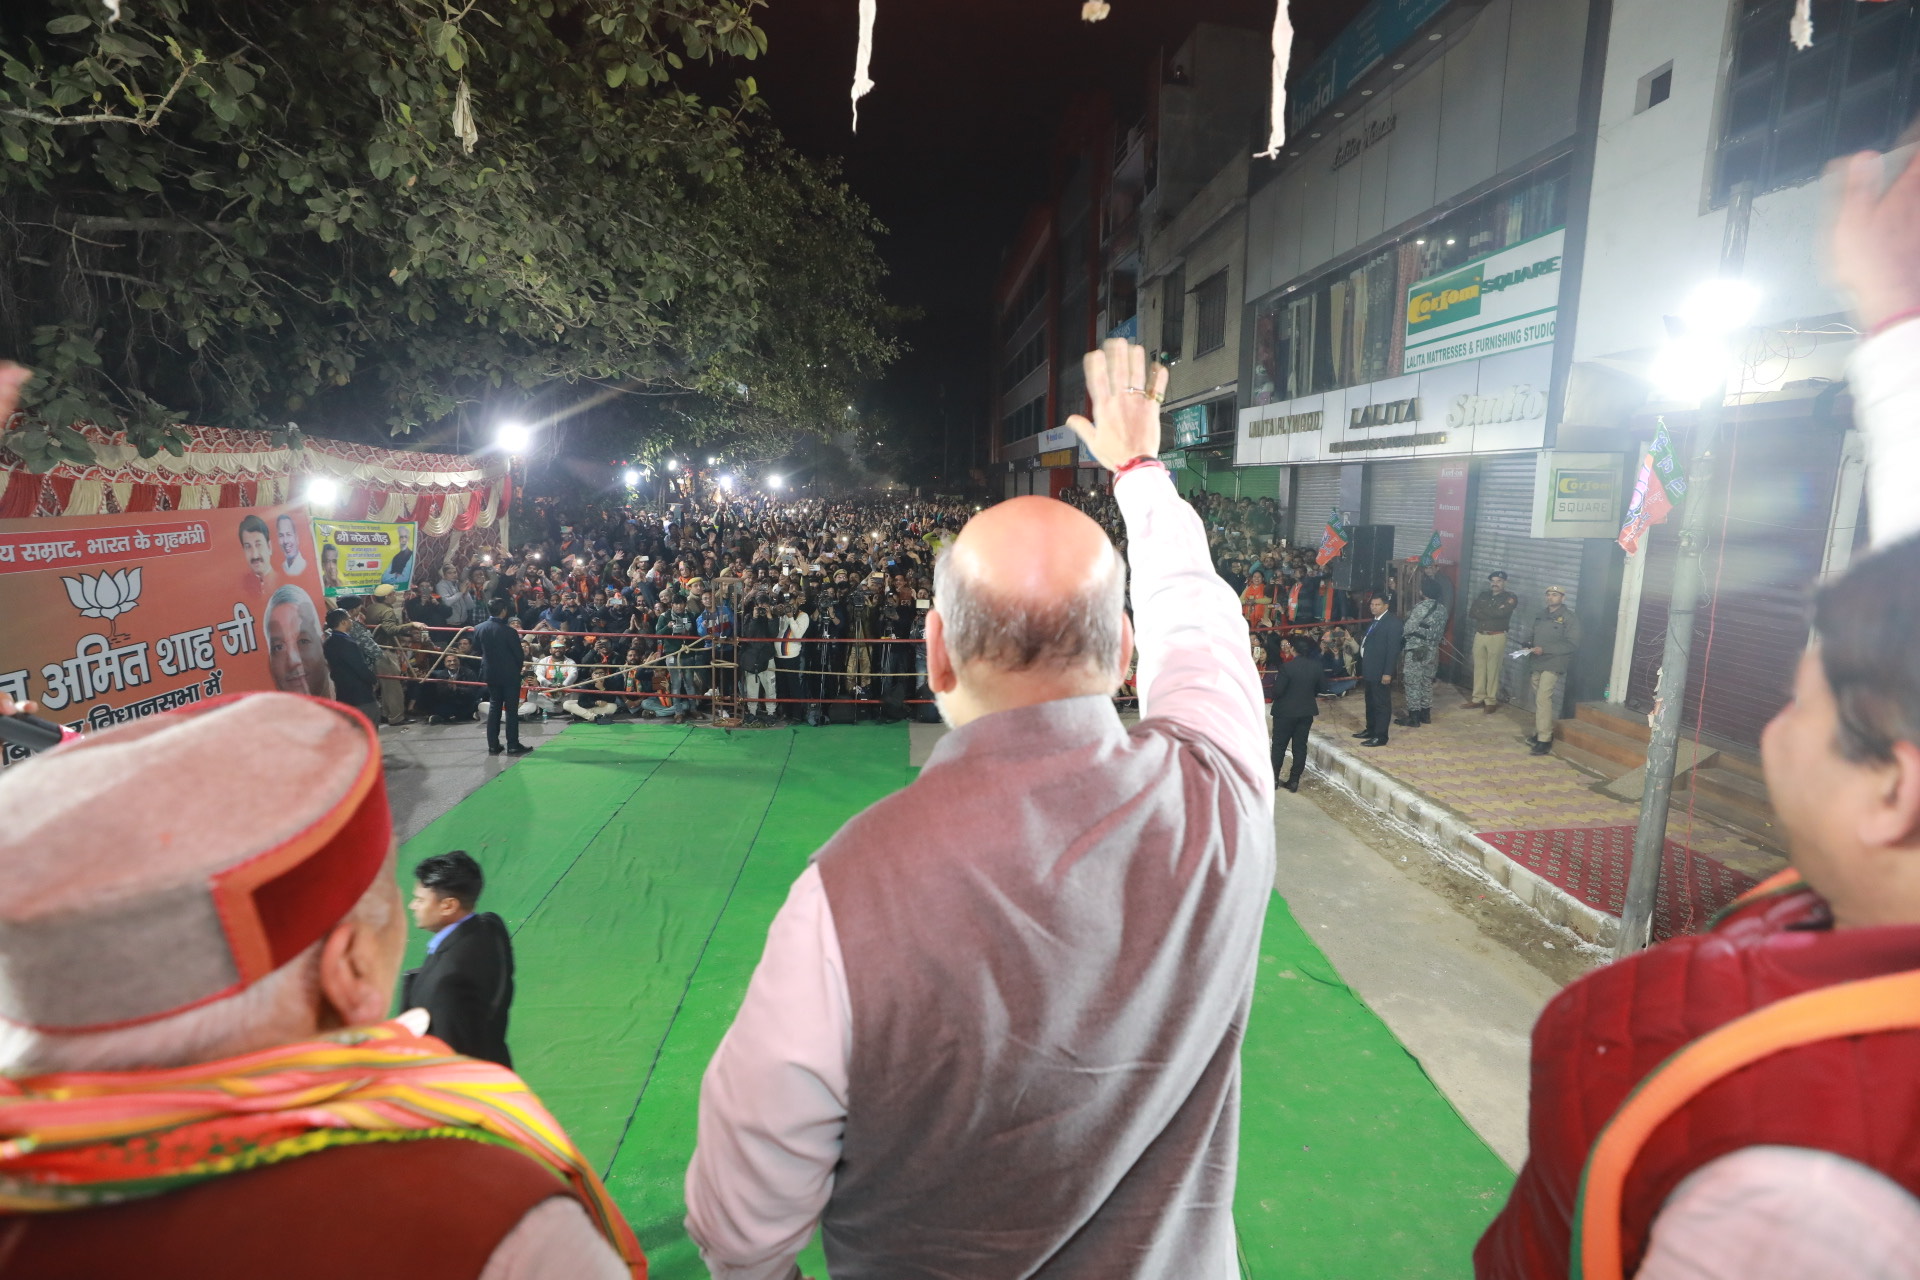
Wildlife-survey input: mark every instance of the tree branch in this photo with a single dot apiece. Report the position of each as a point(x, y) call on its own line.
point(145, 120)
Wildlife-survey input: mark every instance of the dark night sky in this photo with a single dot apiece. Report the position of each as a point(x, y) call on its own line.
point(954, 139)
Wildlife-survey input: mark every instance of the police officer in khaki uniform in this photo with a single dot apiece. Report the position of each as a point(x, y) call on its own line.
point(1556, 638)
point(1491, 615)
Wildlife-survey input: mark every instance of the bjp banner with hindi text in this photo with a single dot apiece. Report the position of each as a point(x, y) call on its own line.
point(358, 555)
point(107, 619)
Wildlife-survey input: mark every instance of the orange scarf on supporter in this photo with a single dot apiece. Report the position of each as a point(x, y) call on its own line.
point(78, 1139)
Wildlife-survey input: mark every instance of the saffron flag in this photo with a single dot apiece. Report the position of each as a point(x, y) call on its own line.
point(1660, 483)
point(1333, 540)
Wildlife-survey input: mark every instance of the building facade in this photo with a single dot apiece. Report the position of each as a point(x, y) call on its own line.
point(1407, 268)
point(1699, 101)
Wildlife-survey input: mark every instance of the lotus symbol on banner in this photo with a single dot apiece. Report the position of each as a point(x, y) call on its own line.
point(106, 595)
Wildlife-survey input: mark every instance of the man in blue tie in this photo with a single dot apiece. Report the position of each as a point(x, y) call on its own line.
point(1379, 654)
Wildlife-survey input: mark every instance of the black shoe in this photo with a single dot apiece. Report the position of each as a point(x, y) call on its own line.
point(517, 750)
point(1364, 733)
point(1542, 748)
point(1407, 721)
point(1293, 785)
point(495, 750)
point(1374, 742)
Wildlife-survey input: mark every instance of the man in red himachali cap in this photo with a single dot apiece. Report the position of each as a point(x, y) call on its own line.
point(200, 930)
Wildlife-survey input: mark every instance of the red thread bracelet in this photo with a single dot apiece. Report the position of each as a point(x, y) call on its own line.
point(1144, 460)
point(1893, 321)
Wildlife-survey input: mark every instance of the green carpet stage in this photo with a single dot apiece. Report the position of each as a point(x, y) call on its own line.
point(639, 866)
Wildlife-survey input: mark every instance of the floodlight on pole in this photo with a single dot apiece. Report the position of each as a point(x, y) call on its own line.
point(726, 483)
point(673, 464)
point(632, 477)
point(775, 482)
point(713, 462)
point(322, 491)
point(1719, 307)
point(513, 437)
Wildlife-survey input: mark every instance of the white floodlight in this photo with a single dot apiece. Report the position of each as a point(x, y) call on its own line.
point(322, 492)
point(673, 464)
point(726, 483)
point(775, 482)
point(632, 477)
point(1717, 307)
point(513, 437)
point(1689, 368)
point(713, 462)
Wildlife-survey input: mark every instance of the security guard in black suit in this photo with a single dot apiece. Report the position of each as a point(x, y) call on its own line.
point(466, 982)
point(1296, 694)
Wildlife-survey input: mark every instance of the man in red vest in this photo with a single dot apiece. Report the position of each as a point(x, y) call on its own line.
point(1746, 1103)
point(200, 930)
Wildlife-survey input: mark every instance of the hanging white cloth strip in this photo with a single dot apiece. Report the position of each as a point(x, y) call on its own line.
point(1282, 57)
point(863, 59)
point(88, 498)
point(1800, 27)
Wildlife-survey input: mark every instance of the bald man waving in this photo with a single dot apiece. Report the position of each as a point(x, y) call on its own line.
point(996, 1028)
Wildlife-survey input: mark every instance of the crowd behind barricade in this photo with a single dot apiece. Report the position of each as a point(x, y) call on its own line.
point(755, 609)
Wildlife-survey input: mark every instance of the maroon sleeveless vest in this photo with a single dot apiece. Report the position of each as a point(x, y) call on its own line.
point(1858, 1097)
point(427, 1209)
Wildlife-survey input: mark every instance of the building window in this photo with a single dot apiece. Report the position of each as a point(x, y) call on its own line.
point(1788, 111)
point(1347, 328)
point(1027, 300)
point(1173, 313)
point(1024, 361)
point(1210, 314)
point(1030, 419)
point(1655, 88)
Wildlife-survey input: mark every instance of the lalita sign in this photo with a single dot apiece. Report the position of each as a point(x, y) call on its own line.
point(115, 618)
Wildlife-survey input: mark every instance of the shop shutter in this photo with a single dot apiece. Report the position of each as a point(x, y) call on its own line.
point(1316, 495)
point(1755, 584)
point(1502, 520)
point(1404, 495)
point(1258, 482)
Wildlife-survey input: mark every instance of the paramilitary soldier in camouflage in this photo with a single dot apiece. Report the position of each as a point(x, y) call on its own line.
point(1426, 626)
point(1556, 637)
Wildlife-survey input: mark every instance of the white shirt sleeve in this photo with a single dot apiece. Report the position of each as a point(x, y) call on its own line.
point(1784, 1213)
point(555, 1241)
point(1196, 666)
point(1886, 386)
point(773, 1104)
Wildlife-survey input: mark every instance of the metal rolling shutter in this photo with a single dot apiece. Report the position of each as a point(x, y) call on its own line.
point(1782, 487)
point(1404, 494)
point(1502, 520)
point(1316, 494)
point(1258, 482)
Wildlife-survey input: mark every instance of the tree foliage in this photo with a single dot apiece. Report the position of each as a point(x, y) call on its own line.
point(249, 212)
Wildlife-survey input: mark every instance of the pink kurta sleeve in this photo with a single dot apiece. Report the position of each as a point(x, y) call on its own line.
point(773, 1104)
point(1196, 667)
point(1886, 386)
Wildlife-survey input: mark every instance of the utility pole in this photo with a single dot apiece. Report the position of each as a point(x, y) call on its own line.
point(1650, 836)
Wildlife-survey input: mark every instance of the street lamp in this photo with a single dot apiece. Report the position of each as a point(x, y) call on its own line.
point(322, 492)
point(513, 437)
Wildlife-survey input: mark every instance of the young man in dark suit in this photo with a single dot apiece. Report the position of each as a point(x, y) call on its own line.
point(1379, 654)
point(1295, 704)
point(466, 982)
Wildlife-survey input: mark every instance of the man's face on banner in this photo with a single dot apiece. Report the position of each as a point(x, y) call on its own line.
point(259, 555)
point(291, 649)
point(289, 545)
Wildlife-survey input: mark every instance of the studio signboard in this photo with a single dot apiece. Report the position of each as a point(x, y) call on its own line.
point(1481, 406)
point(1507, 301)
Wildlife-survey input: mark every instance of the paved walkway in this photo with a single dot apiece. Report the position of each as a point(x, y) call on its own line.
point(1478, 766)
